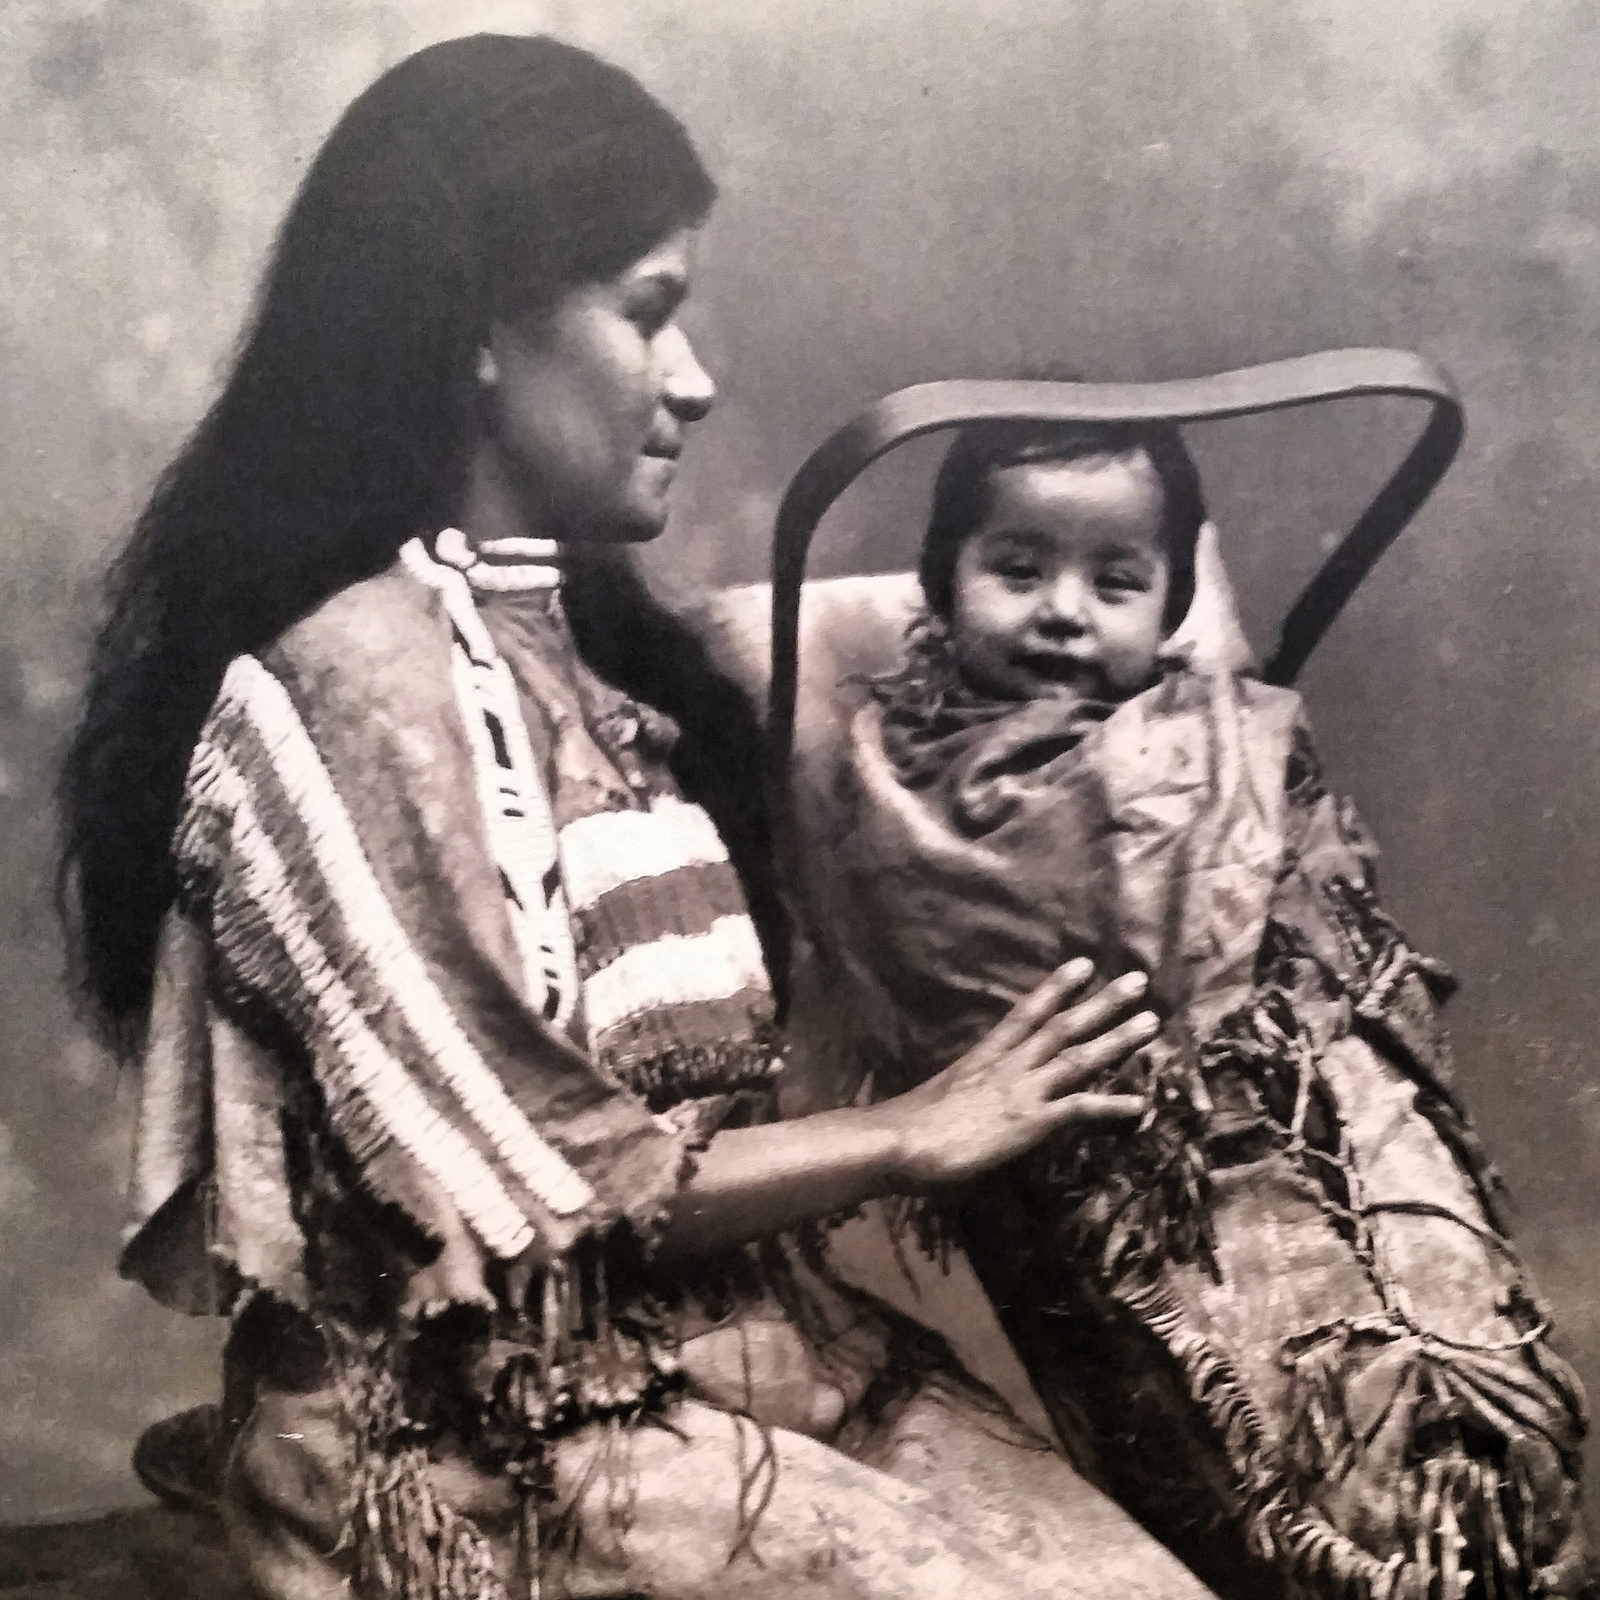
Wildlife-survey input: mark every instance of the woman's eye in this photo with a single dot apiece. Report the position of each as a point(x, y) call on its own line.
point(650, 313)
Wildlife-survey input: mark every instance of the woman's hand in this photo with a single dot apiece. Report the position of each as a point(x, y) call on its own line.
point(1002, 1098)
point(1017, 1086)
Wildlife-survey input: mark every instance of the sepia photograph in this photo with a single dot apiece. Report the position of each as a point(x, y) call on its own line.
point(799, 801)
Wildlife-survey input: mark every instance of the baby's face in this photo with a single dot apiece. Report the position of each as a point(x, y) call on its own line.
point(1062, 589)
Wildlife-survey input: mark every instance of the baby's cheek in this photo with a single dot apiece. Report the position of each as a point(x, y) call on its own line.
point(1133, 654)
point(984, 660)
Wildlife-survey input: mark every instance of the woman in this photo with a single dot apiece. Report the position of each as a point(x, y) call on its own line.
point(456, 1043)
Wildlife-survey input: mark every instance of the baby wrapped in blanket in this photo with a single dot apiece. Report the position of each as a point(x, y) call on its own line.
point(1283, 1322)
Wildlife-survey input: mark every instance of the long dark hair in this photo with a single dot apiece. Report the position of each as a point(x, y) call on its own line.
point(479, 178)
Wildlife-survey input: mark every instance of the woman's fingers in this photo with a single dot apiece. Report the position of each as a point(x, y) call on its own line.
point(1081, 1062)
point(1083, 1023)
point(1039, 1007)
point(1016, 1087)
point(1084, 1110)
point(1095, 1015)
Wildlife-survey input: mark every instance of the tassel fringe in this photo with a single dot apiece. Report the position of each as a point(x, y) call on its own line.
point(405, 1543)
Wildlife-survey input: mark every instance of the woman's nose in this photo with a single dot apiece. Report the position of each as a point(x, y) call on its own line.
point(689, 388)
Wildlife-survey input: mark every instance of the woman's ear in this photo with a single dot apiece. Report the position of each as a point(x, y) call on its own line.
point(488, 368)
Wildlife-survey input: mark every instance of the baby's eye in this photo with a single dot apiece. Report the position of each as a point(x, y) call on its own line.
point(1124, 581)
point(1017, 569)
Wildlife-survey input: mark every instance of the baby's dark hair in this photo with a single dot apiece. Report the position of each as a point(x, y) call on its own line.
point(964, 492)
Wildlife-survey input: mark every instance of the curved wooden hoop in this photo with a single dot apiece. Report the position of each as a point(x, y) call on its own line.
point(1277, 386)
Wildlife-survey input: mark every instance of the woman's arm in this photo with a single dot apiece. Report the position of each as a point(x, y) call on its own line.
point(1002, 1098)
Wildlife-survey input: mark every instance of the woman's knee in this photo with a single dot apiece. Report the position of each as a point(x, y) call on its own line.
point(284, 1494)
point(292, 1460)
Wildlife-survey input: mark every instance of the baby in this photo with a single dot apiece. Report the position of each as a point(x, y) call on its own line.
point(1059, 559)
point(1281, 1321)
point(1059, 564)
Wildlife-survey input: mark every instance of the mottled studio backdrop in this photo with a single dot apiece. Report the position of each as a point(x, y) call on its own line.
point(1137, 188)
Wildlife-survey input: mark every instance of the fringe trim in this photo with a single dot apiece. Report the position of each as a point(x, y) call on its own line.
point(681, 1073)
point(1253, 1089)
point(1449, 1502)
point(404, 1542)
point(1141, 1202)
point(372, 1098)
point(1280, 1529)
point(408, 1544)
point(588, 1367)
point(1149, 1210)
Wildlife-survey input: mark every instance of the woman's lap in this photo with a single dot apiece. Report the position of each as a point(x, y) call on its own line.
point(1034, 1515)
point(944, 1495)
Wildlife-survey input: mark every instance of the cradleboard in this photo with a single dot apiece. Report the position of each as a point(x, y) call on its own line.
point(1282, 1322)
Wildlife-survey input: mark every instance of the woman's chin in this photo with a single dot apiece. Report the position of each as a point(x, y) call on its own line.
point(631, 523)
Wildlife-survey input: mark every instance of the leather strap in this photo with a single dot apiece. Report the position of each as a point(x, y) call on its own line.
point(1277, 386)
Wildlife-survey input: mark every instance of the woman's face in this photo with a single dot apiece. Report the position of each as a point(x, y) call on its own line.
point(586, 405)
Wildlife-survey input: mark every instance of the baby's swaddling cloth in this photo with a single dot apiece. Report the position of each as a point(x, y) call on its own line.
point(1281, 1321)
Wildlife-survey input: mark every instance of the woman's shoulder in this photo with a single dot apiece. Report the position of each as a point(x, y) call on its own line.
point(373, 657)
point(372, 625)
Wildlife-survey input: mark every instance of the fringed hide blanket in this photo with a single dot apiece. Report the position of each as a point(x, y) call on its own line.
point(1282, 1321)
